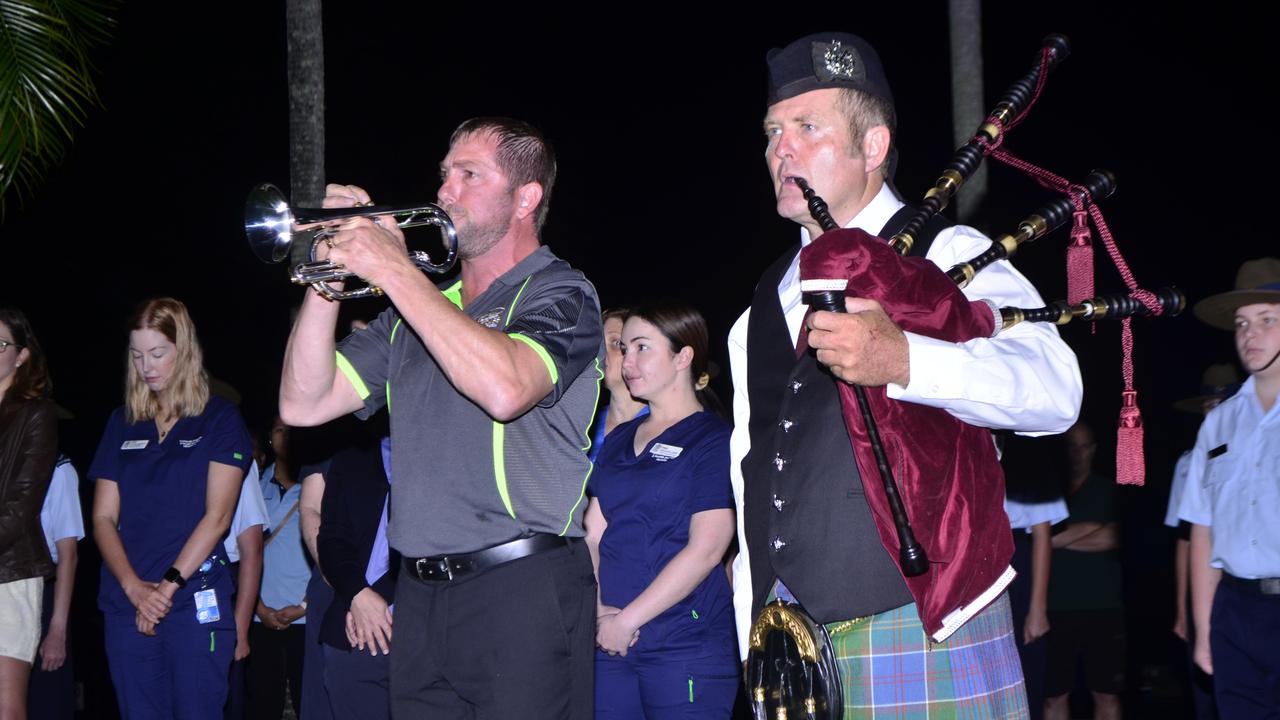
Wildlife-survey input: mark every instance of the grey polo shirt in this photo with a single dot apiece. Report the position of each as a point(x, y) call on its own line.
point(462, 481)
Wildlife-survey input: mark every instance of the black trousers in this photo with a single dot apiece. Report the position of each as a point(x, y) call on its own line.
point(51, 695)
point(515, 641)
point(275, 656)
point(1033, 655)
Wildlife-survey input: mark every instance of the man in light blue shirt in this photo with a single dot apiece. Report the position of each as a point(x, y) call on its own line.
point(1232, 497)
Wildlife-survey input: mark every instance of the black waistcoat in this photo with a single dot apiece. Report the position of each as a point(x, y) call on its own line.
point(806, 518)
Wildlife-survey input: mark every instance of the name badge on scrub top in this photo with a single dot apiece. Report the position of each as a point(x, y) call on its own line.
point(134, 444)
point(207, 606)
point(663, 452)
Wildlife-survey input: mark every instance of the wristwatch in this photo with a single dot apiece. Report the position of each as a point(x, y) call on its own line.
point(174, 576)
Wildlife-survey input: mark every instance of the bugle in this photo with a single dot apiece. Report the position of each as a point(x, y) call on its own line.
point(270, 224)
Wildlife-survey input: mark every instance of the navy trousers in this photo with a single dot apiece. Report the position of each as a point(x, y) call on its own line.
point(358, 683)
point(179, 674)
point(1244, 636)
point(315, 698)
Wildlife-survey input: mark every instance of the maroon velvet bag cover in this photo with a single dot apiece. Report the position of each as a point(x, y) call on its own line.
point(950, 480)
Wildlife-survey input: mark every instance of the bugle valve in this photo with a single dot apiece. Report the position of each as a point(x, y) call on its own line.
point(270, 225)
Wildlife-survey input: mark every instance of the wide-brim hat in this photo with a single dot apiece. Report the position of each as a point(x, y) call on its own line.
point(826, 60)
point(1218, 383)
point(1258, 281)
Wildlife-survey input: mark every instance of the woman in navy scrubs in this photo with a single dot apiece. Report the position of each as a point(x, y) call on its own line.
point(659, 522)
point(168, 472)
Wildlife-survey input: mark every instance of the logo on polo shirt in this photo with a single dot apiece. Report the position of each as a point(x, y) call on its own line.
point(492, 319)
point(190, 443)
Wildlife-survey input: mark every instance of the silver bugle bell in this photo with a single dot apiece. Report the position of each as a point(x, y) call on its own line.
point(269, 224)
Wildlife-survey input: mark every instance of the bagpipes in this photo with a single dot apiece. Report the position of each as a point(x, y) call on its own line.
point(932, 451)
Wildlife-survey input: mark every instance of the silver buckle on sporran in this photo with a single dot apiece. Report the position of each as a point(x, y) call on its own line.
point(791, 667)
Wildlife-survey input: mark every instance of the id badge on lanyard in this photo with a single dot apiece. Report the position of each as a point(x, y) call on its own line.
point(206, 597)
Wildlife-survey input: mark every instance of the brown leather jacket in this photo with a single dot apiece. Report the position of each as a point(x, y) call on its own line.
point(28, 449)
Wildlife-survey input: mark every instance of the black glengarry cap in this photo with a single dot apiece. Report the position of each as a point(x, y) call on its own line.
point(826, 60)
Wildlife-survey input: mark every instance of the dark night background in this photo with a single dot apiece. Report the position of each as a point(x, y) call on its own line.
point(655, 114)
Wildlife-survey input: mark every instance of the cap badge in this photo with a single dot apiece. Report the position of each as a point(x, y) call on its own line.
point(834, 61)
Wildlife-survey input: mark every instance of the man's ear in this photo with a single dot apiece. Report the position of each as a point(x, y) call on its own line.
point(875, 147)
point(527, 198)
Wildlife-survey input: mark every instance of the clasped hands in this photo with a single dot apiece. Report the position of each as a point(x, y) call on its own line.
point(614, 632)
point(152, 601)
point(369, 623)
point(863, 346)
point(278, 618)
point(370, 248)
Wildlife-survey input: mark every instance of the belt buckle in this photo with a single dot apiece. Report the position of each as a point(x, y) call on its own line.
point(1269, 586)
point(428, 568)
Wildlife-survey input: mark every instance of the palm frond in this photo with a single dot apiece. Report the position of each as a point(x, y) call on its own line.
point(46, 82)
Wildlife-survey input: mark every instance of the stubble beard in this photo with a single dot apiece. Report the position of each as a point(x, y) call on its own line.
point(477, 238)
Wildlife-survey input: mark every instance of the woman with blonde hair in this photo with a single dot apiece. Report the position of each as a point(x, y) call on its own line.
point(168, 472)
point(28, 449)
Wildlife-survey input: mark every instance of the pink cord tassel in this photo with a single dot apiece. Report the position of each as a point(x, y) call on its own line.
point(1080, 261)
point(1130, 463)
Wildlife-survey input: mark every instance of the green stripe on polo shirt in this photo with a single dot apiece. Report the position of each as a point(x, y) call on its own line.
point(388, 396)
point(582, 494)
point(500, 468)
point(516, 299)
point(542, 353)
point(394, 328)
point(454, 293)
point(353, 377)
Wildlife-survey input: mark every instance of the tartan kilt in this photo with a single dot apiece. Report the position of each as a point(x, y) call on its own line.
point(889, 668)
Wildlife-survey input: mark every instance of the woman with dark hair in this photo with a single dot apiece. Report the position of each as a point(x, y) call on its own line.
point(28, 449)
point(168, 472)
point(658, 525)
point(622, 406)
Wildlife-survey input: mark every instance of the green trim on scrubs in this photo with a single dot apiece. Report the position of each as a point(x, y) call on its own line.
point(352, 376)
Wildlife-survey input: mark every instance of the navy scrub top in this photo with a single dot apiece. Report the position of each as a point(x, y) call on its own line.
point(162, 498)
point(648, 501)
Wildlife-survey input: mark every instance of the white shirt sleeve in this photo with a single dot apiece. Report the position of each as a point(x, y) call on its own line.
point(251, 510)
point(1025, 379)
point(739, 445)
point(60, 516)
point(1177, 489)
point(1196, 506)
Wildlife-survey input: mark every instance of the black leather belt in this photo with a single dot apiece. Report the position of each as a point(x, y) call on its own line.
point(451, 567)
point(1263, 586)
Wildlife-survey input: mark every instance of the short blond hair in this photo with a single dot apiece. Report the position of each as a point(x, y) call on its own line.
point(864, 111)
point(188, 388)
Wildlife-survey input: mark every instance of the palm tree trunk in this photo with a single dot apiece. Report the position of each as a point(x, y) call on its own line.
point(306, 109)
